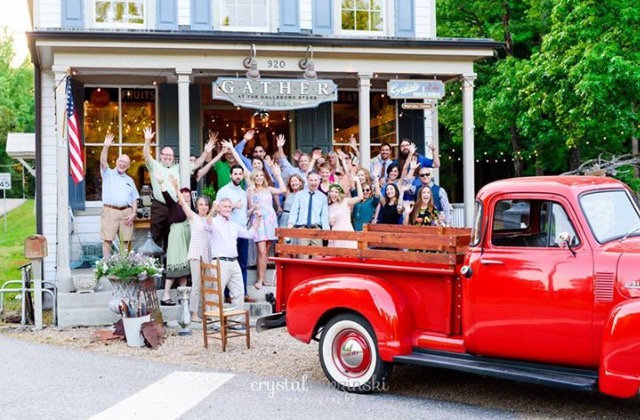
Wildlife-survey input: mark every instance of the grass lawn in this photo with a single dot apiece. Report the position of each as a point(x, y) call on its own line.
point(21, 223)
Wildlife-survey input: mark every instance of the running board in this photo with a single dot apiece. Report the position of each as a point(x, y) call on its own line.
point(562, 377)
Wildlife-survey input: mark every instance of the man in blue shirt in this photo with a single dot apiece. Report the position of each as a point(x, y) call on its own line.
point(234, 192)
point(119, 200)
point(310, 210)
point(425, 162)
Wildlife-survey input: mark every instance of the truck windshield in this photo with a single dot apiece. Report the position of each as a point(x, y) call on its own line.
point(610, 214)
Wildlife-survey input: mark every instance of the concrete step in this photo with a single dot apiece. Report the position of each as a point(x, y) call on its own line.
point(91, 309)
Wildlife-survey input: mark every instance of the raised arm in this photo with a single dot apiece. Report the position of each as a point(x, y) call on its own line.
point(407, 163)
point(354, 145)
point(353, 200)
point(104, 164)
point(206, 168)
point(146, 149)
point(277, 173)
point(185, 206)
point(436, 155)
point(346, 182)
point(227, 144)
point(213, 138)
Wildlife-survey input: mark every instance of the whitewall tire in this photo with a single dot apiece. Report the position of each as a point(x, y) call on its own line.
point(349, 355)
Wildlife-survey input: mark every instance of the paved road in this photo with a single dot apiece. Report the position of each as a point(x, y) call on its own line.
point(46, 382)
point(6, 205)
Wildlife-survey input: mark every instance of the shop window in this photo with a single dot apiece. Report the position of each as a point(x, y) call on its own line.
point(125, 112)
point(119, 13)
point(242, 15)
point(362, 16)
point(346, 120)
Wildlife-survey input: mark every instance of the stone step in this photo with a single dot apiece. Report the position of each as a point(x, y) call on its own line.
point(91, 309)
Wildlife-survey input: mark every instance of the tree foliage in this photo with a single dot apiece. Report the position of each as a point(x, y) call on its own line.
point(17, 105)
point(562, 90)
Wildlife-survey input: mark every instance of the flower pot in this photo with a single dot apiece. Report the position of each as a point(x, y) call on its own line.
point(132, 330)
point(120, 291)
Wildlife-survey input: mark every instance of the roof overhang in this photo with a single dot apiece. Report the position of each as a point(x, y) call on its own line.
point(224, 51)
point(21, 145)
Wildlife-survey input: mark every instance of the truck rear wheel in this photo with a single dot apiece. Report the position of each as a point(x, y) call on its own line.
point(349, 355)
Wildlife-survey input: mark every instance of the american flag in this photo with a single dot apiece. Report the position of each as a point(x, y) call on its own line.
point(75, 146)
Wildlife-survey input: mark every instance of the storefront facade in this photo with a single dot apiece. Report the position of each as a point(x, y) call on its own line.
point(159, 65)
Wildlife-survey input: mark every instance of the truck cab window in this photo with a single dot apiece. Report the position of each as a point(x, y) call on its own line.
point(530, 223)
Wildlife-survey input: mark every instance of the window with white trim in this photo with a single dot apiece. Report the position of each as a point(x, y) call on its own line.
point(244, 15)
point(124, 112)
point(362, 17)
point(119, 13)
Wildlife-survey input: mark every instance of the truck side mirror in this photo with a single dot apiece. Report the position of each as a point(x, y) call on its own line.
point(564, 239)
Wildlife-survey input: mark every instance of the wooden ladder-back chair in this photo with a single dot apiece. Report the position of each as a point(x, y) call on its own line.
point(216, 319)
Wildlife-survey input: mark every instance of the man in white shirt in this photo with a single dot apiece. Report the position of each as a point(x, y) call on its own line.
point(224, 234)
point(238, 197)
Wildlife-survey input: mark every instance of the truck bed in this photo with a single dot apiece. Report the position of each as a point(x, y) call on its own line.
point(421, 262)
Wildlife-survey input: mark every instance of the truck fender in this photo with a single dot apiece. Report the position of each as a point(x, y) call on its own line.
point(619, 373)
point(312, 303)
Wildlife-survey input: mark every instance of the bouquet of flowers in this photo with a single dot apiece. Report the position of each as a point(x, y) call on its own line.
point(127, 267)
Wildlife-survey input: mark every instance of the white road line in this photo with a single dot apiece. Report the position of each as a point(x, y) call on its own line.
point(168, 398)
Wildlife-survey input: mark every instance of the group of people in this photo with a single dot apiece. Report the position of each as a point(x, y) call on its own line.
point(257, 193)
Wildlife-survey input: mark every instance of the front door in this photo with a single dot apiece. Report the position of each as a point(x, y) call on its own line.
point(530, 297)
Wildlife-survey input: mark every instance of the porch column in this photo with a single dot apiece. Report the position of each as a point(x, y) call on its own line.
point(63, 271)
point(364, 117)
point(184, 81)
point(468, 157)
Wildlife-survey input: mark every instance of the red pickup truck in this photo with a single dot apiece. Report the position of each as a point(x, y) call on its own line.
point(544, 288)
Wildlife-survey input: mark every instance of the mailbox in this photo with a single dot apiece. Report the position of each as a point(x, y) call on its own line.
point(35, 246)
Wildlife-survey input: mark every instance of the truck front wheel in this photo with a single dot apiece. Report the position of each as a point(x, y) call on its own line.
point(349, 355)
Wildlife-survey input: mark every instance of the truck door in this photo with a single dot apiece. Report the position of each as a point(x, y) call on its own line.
point(530, 297)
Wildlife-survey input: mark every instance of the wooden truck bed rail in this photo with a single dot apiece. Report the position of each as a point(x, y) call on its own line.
point(422, 244)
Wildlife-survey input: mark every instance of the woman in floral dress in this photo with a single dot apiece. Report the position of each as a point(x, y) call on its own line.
point(424, 212)
point(260, 201)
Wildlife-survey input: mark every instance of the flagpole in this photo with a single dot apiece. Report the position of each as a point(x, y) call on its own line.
point(63, 271)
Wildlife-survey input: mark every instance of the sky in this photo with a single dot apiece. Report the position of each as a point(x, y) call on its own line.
point(16, 19)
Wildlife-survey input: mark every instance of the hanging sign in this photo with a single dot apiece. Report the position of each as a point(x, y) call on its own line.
point(416, 105)
point(415, 89)
point(274, 94)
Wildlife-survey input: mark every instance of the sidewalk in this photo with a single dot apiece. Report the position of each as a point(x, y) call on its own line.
point(11, 203)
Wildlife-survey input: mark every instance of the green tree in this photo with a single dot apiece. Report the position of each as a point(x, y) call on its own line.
point(564, 88)
point(17, 106)
point(584, 82)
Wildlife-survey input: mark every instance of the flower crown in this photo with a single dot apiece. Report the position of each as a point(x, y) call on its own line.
point(337, 187)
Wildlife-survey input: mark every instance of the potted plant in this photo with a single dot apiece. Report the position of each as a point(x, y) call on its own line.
point(125, 272)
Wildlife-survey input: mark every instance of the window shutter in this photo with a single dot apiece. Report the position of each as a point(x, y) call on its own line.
point(289, 16)
point(322, 17)
point(405, 26)
point(167, 14)
point(201, 15)
point(72, 14)
point(314, 128)
point(168, 116)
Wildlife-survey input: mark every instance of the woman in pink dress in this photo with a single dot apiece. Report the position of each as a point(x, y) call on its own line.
point(260, 201)
point(340, 212)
